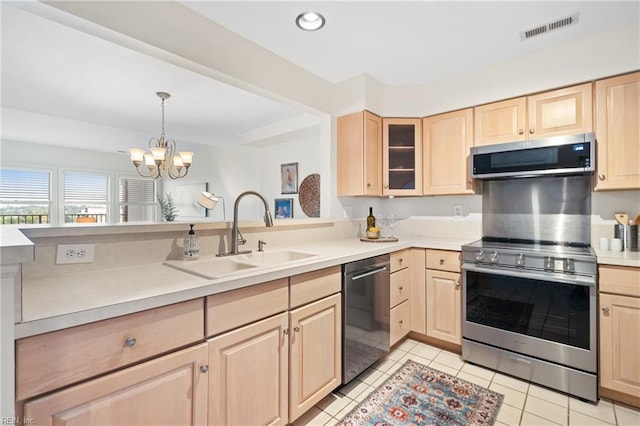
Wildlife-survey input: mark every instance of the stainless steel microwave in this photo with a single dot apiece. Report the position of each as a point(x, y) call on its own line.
point(559, 155)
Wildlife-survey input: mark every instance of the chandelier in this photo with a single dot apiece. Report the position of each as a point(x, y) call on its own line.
point(163, 157)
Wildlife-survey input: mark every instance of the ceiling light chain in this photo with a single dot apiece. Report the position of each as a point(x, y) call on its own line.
point(162, 157)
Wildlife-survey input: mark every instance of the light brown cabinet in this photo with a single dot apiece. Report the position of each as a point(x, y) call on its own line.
point(400, 314)
point(554, 113)
point(617, 105)
point(359, 167)
point(620, 333)
point(446, 141)
point(401, 156)
point(168, 390)
point(249, 380)
point(443, 296)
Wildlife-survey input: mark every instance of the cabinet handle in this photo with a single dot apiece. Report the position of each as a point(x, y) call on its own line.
point(368, 185)
point(400, 288)
point(130, 341)
point(605, 310)
point(386, 186)
point(458, 283)
point(532, 130)
point(204, 368)
point(601, 177)
point(442, 260)
point(400, 322)
point(521, 132)
point(400, 260)
point(285, 331)
point(296, 329)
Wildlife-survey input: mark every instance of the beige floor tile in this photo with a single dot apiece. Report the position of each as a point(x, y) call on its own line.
point(365, 393)
point(346, 410)
point(425, 351)
point(380, 380)
point(396, 355)
point(626, 416)
point(333, 404)
point(509, 415)
point(511, 382)
point(450, 359)
point(529, 419)
point(413, 357)
point(546, 410)
point(578, 419)
point(473, 379)
point(603, 411)
point(511, 396)
point(314, 417)
point(549, 395)
point(444, 368)
point(407, 345)
point(353, 389)
point(478, 371)
point(370, 377)
point(386, 365)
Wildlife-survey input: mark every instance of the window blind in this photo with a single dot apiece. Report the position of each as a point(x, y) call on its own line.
point(25, 185)
point(137, 191)
point(86, 187)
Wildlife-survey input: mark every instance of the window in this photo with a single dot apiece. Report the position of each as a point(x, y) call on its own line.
point(138, 201)
point(86, 197)
point(25, 196)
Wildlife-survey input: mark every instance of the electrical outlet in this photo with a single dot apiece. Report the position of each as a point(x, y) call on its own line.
point(457, 210)
point(74, 253)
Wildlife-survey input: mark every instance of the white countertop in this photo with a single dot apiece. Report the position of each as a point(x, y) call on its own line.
point(54, 303)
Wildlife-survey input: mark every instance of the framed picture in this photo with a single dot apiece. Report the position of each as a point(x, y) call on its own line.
point(289, 178)
point(284, 208)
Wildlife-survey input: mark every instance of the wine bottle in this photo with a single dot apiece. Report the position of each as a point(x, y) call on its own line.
point(371, 219)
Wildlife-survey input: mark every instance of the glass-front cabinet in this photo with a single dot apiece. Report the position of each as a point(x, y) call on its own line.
point(402, 156)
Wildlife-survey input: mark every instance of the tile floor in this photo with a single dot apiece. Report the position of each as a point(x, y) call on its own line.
point(524, 403)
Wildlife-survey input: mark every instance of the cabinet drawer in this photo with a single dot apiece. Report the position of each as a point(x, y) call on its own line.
point(620, 280)
point(235, 308)
point(399, 260)
point(400, 286)
point(312, 286)
point(400, 322)
point(49, 361)
point(443, 260)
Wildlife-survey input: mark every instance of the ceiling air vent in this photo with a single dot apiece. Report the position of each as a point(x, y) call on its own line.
point(551, 26)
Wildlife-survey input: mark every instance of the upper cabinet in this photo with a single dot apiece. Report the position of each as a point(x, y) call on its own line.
point(617, 102)
point(558, 112)
point(359, 166)
point(402, 156)
point(446, 140)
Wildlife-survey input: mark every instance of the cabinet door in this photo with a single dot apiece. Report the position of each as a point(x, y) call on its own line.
point(402, 156)
point(359, 167)
point(316, 353)
point(561, 112)
point(501, 122)
point(248, 374)
point(446, 140)
point(444, 306)
point(171, 390)
point(418, 297)
point(400, 322)
point(619, 343)
point(618, 132)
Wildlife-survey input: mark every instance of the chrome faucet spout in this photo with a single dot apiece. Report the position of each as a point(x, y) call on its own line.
point(235, 231)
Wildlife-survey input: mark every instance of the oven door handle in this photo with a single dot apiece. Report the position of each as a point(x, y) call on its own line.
point(576, 280)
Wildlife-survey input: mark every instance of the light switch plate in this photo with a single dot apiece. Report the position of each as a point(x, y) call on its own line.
point(74, 253)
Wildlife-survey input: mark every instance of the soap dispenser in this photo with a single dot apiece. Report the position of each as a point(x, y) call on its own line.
point(191, 245)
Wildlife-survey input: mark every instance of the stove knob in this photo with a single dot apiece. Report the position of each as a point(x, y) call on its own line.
point(569, 266)
point(479, 255)
point(548, 263)
point(494, 256)
point(520, 259)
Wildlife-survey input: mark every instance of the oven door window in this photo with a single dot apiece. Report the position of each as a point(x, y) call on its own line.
point(548, 310)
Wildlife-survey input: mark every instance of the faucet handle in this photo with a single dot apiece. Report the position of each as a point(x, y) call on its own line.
point(261, 245)
point(241, 239)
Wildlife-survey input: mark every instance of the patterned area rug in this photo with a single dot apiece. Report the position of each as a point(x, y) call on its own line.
point(418, 395)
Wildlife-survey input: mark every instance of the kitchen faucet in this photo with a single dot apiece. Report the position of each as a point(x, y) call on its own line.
point(235, 231)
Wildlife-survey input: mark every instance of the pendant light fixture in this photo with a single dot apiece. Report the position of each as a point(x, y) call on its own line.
point(163, 157)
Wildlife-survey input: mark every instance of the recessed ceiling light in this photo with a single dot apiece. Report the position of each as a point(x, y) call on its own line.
point(310, 21)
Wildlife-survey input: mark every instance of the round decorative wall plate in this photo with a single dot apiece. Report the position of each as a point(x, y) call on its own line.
point(309, 195)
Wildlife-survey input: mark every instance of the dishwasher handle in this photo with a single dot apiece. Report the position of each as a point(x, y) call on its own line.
point(369, 272)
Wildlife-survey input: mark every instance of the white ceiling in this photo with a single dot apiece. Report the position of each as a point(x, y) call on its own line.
point(52, 73)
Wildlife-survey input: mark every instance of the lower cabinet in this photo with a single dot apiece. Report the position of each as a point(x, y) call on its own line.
point(315, 357)
point(248, 379)
point(170, 390)
point(443, 295)
point(400, 314)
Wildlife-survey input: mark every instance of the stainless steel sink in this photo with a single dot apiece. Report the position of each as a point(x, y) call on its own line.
point(217, 267)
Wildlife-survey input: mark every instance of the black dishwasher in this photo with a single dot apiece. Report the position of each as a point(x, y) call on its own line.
point(365, 308)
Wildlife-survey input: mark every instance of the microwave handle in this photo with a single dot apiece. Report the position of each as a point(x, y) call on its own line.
point(575, 279)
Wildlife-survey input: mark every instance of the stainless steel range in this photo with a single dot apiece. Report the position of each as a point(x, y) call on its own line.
point(529, 286)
